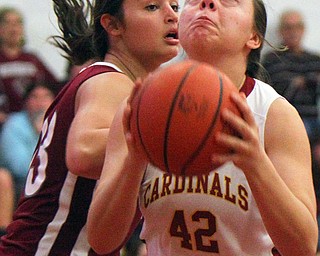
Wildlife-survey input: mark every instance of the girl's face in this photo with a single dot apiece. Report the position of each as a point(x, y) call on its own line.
point(39, 99)
point(151, 29)
point(11, 29)
point(217, 28)
point(292, 30)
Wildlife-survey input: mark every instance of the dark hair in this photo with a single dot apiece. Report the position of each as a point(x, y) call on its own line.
point(83, 37)
point(254, 67)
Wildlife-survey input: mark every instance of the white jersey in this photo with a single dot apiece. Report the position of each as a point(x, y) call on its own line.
point(215, 214)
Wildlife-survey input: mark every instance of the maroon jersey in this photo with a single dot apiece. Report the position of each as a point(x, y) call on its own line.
point(16, 74)
point(52, 212)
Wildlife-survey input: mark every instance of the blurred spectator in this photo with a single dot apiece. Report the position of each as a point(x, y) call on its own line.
point(18, 68)
point(6, 199)
point(20, 133)
point(71, 71)
point(295, 72)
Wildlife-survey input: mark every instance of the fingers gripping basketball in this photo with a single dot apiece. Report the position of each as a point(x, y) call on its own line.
point(177, 114)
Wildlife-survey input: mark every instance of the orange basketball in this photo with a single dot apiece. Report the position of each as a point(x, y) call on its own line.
point(177, 114)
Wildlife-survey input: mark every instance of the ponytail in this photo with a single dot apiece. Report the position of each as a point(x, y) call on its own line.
point(83, 37)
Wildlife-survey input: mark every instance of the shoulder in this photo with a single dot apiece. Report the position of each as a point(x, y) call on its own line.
point(106, 83)
point(104, 91)
point(99, 76)
point(262, 96)
point(100, 71)
point(266, 89)
point(283, 120)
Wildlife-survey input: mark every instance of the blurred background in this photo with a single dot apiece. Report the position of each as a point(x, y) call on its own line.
point(40, 23)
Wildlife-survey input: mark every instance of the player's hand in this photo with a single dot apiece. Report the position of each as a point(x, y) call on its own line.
point(134, 146)
point(245, 147)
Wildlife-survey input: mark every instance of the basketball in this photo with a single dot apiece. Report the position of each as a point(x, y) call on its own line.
point(177, 113)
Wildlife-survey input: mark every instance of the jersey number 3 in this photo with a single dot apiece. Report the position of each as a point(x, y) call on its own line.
point(33, 185)
point(179, 229)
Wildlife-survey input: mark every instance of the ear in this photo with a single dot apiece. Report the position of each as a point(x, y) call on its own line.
point(110, 24)
point(254, 41)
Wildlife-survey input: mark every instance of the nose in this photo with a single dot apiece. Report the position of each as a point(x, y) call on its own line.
point(171, 16)
point(207, 4)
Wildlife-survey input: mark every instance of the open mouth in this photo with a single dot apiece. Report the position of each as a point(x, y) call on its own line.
point(172, 35)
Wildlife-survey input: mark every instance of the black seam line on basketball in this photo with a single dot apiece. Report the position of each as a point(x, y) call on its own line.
point(138, 124)
point(165, 145)
point(205, 138)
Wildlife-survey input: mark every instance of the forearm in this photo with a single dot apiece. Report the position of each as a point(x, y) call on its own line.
point(289, 222)
point(114, 205)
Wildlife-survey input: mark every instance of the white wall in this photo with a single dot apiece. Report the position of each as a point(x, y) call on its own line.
point(41, 23)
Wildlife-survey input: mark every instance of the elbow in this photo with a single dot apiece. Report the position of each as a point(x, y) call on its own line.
point(312, 242)
point(308, 251)
point(95, 237)
point(97, 246)
point(76, 164)
point(103, 247)
point(306, 248)
point(105, 235)
point(313, 247)
point(100, 243)
point(83, 163)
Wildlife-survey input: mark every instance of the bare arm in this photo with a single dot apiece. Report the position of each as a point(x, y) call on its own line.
point(280, 175)
point(115, 199)
point(96, 104)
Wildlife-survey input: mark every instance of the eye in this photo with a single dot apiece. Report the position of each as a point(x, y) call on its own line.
point(152, 7)
point(175, 7)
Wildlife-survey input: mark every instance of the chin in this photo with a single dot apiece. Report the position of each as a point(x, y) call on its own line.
point(171, 55)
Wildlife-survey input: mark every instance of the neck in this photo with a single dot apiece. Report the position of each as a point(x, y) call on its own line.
point(125, 64)
point(294, 47)
point(11, 52)
point(296, 50)
point(238, 79)
point(235, 69)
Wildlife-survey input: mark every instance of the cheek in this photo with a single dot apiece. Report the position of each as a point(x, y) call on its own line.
point(241, 29)
point(46, 103)
point(140, 32)
point(183, 31)
point(142, 39)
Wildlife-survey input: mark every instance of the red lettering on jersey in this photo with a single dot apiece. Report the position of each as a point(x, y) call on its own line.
point(179, 187)
point(243, 198)
point(216, 186)
point(167, 179)
point(228, 196)
point(202, 184)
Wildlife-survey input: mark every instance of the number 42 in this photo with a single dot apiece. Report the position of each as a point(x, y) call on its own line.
point(179, 228)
